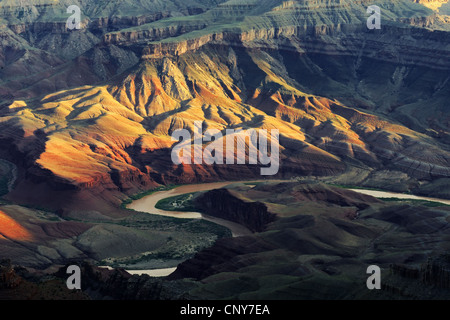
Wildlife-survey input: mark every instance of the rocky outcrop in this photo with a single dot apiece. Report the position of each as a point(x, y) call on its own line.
point(222, 204)
point(350, 40)
point(431, 280)
point(100, 283)
point(432, 4)
point(227, 255)
point(132, 37)
point(18, 283)
point(8, 277)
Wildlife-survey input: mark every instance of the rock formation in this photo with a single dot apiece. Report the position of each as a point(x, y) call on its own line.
point(107, 97)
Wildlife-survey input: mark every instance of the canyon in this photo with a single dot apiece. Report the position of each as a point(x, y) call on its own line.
point(287, 257)
point(87, 117)
point(152, 82)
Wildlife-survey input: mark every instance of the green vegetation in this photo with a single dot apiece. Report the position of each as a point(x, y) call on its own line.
point(178, 203)
point(185, 238)
point(203, 226)
point(138, 196)
point(38, 208)
point(425, 203)
point(346, 186)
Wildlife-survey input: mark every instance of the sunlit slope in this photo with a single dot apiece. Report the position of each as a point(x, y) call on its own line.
point(42, 58)
point(12, 230)
point(118, 136)
point(432, 4)
point(95, 108)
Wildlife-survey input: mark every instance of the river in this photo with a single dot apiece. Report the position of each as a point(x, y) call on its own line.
point(386, 194)
point(147, 204)
point(152, 272)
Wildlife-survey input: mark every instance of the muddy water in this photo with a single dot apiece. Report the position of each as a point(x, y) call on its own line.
point(147, 204)
point(152, 273)
point(385, 194)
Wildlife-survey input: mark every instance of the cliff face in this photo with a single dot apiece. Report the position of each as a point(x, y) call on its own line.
point(220, 203)
point(17, 283)
point(342, 37)
point(428, 49)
